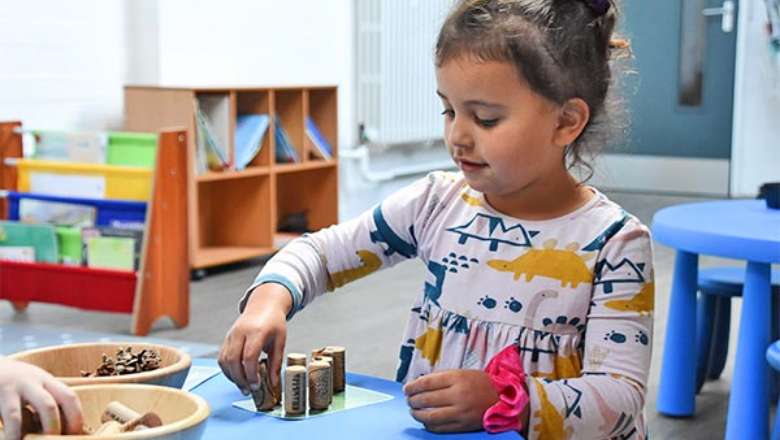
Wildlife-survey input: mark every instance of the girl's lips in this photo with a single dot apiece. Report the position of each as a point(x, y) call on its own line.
point(466, 165)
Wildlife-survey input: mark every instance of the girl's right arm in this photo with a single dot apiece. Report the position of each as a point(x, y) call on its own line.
point(320, 262)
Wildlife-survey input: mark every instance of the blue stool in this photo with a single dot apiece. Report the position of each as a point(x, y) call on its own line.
point(773, 356)
point(717, 285)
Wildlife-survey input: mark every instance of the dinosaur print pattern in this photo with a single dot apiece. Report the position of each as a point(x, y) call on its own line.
point(560, 264)
point(369, 262)
point(579, 316)
point(484, 227)
point(642, 303)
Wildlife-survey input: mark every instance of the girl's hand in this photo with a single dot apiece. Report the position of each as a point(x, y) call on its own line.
point(262, 327)
point(22, 383)
point(451, 401)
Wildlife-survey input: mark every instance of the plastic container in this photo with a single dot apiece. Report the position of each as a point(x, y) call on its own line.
point(131, 149)
point(85, 180)
point(108, 211)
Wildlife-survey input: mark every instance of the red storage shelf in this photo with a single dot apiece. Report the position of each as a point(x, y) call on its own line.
point(82, 287)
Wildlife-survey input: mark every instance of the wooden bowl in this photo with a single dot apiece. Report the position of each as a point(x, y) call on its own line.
point(183, 414)
point(67, 361)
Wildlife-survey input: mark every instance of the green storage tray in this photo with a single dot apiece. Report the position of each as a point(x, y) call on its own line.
point(131, 149)
point(69, 241)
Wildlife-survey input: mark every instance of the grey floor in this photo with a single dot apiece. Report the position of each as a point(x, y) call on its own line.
point(368, 316)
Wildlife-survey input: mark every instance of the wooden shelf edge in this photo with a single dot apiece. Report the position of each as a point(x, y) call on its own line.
point(212, 176)
point(304, 166)
point(216, 256)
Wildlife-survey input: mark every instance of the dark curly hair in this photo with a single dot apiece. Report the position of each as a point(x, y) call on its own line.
point(561, 48)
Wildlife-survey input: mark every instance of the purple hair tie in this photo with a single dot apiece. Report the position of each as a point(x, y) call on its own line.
point(600, 7)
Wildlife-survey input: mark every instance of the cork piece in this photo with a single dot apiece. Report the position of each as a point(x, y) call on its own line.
point(266, 397)
point(329, 360)
point(320, 386)
point(126, 362)
point(296, 359)
point(109, 427)
point(128, 418)
point(295, 388)
point(339, 365)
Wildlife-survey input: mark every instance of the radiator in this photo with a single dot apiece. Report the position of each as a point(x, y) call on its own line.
point(396, 85)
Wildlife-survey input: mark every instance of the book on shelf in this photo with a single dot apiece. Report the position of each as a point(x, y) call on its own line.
point(285, 151)
point(56, 213)
point(24, 254)
point(99, 240)
point(322, 148)
point(71, 147)
point(250, 129)
point(212, 121)
point(42, 238)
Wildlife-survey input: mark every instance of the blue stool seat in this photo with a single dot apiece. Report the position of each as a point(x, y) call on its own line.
point(717, 285)
point(773, 356)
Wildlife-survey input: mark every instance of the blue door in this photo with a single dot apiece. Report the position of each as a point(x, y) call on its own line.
point(681, 97)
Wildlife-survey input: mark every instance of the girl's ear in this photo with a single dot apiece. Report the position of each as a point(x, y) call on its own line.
point(572, 119)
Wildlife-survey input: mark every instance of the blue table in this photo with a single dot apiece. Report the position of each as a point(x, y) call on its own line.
point(386, 420)
point(738, 229)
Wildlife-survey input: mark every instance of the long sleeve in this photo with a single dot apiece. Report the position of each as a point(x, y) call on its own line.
point(335, 256)
point(606, 401)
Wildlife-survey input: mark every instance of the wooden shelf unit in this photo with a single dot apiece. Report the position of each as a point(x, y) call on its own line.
point(159, 288)
point(234, 214)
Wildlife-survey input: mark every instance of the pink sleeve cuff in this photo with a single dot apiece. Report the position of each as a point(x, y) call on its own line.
point(508, 377)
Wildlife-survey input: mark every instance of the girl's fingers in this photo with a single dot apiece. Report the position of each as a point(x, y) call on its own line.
point(11, 413)
point(45, 405)
point(70, 405)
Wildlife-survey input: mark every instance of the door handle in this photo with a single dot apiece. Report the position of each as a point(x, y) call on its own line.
point(727, 11)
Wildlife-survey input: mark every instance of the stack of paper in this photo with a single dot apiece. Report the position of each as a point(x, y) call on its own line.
point(322, 148)
point(250, 129)
point(212, 121)
point(285, 151)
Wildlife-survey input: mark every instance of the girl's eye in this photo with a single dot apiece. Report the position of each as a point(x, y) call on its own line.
point(448, 112)
point(487, 123)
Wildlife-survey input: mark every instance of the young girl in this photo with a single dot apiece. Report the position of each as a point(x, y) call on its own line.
point(536, 315)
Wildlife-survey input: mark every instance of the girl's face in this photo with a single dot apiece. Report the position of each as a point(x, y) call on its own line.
point(499, 132)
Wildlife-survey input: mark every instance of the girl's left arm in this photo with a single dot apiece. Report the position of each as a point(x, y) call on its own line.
point(607, 399)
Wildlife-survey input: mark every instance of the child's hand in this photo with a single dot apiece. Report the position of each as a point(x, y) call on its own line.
point(262, 327)
point(451, 401)
point(23, 383)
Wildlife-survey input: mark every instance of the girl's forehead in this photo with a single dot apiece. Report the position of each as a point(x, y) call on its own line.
point(464, 77)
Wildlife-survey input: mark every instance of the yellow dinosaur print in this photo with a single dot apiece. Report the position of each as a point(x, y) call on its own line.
point(560, 264)
point(470, 200)
point(369, 262)
point(430, 344)
point(550, 426)
point(565, 367)
point(642, 303)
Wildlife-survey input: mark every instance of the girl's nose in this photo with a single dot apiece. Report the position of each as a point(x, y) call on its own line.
point(458, 135)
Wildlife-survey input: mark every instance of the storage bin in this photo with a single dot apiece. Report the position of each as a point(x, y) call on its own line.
point(108, 211)
point(131, 149)
point(84, 180)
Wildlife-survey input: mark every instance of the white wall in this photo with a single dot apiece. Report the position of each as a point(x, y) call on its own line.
point(62, 63)
point(268, 42)
point(756, 142)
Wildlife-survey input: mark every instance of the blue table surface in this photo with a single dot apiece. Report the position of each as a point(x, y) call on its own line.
point(386, 420)
point(740, 229)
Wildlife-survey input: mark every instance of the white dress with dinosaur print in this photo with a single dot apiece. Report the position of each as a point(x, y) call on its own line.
point(574, 293)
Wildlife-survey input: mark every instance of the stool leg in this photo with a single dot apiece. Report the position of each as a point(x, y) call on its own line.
point(748, 413)
point(719, 351)
point(705, 310)
point(776, 429)
point(677, 390)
